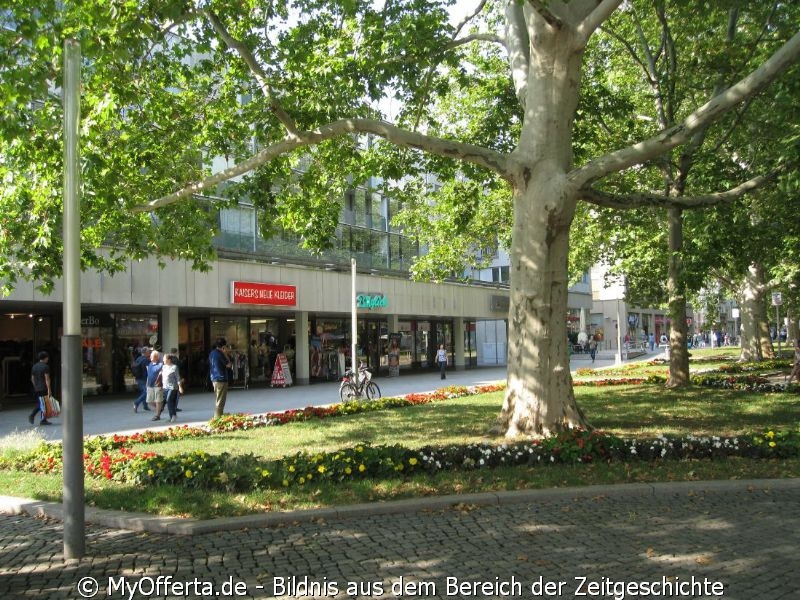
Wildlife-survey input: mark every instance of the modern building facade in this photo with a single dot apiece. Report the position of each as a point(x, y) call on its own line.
point(260, 308)
point(617, 324)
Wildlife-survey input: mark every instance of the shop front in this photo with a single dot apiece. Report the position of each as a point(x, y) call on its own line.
point(109, 342)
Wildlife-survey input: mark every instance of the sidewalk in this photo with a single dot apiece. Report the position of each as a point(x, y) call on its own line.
point(115, 415)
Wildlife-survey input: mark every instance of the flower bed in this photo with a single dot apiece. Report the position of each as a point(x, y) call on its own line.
point(111, 457)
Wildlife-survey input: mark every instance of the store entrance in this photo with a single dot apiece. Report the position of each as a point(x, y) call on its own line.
point(196, 351)
point(373, 344)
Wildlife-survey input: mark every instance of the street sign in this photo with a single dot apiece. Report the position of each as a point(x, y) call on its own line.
point(776, 299)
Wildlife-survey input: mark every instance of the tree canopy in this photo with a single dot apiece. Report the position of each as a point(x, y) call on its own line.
point(525, 110)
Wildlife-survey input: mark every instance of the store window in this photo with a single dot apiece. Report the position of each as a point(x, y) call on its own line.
point(234, 330)
point(329, 347)
point(98, 353)
point(133, 332)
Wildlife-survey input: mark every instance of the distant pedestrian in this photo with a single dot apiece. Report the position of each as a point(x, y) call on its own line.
point(155, 386)
point(40, 378)
point(171, 376)
point(139, 370)
point(651, 340)
point(593, 347)
point(219, 363)
point(182, 369)
point(441, 360)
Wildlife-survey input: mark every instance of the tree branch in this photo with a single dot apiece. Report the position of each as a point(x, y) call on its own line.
point(626, 201)
point(255, 68)
point(477, 155)
point(681, 133)
point(597, 17)
point(476, 37)
point(518, 48)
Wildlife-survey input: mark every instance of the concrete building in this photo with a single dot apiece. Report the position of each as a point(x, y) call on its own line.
point(617, 324)
point(267, 298)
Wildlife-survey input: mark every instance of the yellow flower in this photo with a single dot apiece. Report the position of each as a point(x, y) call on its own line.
point(151, 472)
point(265, 473)
point(361, 468)
point(412, 461)
point(309, 476)
point(772, 444)
point(285, 483)
point(348, 470)
point(770, 434)
point(359, 448)
point(188, 474)
point(321, 468)
point(301, 481)
point(291, 468)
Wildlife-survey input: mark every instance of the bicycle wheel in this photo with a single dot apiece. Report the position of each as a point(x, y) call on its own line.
point(373, 391)
point(347, 392)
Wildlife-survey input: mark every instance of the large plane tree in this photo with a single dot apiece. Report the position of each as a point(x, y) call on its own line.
point(282, 97)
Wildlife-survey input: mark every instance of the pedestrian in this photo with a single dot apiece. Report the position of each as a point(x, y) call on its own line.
point(651, 339)
point(181, 369)
point(155, 386)
point(219, 364)
point(593, 347)
point(441, 360)
point(139, 370)
point(171, 377)
point(40, 378)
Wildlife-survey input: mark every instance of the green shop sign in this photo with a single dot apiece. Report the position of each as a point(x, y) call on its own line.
point(372, 301)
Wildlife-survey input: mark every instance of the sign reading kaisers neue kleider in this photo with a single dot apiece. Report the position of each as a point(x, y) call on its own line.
point(271, 294)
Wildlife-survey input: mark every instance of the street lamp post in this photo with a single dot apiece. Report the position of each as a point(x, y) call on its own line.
point(71, 353)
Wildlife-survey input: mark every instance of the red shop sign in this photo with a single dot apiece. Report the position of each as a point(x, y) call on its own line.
point(247, 292)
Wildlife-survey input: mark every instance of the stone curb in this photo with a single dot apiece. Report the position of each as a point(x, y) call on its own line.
point(144, 522)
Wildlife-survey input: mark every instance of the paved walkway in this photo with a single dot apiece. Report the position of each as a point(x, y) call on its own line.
point(115, 415)
point(733, 539)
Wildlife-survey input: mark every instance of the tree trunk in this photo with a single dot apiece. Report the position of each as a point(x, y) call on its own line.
point(756, 341)
point(539, 399)
point(678, 350)
point(751, 298)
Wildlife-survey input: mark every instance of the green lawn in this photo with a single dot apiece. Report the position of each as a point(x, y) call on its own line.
point(628, 411)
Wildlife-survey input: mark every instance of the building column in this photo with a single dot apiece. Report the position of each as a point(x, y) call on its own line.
point(458, 344)
point(394, 323)
point(169, 333)
point(583, 313)
point(302, 349)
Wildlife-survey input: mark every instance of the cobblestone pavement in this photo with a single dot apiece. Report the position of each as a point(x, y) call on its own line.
point(737, 540)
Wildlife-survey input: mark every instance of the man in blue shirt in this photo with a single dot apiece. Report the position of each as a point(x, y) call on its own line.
point(219, 364)
point(139, 369)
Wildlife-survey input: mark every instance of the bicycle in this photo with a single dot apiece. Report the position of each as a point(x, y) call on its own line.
point(353, 387)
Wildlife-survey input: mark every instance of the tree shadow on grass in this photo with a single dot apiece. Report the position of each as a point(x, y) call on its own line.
point(631, 410)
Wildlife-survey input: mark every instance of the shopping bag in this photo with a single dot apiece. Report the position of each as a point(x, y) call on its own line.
point(52, 407)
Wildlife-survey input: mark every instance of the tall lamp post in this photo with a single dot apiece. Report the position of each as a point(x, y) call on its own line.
point(71, 354)
point(353, 316)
